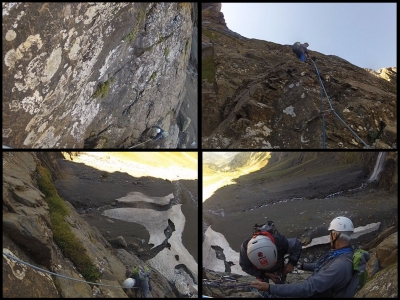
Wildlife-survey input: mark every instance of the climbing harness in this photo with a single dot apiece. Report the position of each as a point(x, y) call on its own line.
point(333, 111)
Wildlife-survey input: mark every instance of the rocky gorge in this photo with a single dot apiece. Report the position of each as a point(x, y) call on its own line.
point(256, 94)
point(72, 238)
point(99, 75)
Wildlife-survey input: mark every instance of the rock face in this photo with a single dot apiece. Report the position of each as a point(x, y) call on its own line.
point(28, 235)
point(258, 94)
point(98, 75)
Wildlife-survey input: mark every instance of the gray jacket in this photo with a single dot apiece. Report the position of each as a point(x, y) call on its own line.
point(325, 282)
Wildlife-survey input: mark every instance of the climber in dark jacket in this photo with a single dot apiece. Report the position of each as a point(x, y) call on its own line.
point(273, 246)
point(161, 133)
point(301, 50)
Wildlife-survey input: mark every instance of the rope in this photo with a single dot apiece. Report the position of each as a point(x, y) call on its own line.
point(55, 274)
point(323, 125)
point(139, 144)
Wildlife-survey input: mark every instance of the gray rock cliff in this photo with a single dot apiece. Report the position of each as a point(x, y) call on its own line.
point(99, 75)
point(28, 234)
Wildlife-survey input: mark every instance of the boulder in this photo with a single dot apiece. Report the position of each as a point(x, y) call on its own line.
point(119, 240)
point(386, 251)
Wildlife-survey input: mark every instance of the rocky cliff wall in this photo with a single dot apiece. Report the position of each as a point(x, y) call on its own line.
point(98, 75)
point(257, 94)
point(28, 234)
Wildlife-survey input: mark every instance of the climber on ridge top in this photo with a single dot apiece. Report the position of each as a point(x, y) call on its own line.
point(301, 50)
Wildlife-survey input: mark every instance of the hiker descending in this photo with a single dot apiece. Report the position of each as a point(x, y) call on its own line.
point(139, 281)
point(263, 255)
point(301, 50)
point(161, 133)
point(331, 273)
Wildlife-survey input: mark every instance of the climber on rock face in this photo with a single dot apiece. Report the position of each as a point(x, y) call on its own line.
point(301, 50)
point(161, 133)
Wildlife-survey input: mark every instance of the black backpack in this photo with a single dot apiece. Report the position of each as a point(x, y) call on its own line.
point(269, 227)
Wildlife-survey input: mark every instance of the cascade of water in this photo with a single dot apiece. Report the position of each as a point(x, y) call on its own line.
point(378, 166)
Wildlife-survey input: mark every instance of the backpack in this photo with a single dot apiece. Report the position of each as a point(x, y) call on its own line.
point(269, 226)
point(359, 278)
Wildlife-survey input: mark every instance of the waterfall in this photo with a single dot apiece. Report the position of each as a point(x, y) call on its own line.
point(378, 166)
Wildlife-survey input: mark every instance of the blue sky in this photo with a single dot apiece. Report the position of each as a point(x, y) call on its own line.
point(361, 33)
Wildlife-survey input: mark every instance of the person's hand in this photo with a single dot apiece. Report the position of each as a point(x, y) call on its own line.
point(273, 276)
point(289, 268)
point(261, 286)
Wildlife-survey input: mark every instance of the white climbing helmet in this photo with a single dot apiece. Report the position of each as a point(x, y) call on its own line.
point(341, 224)
point(129, 283)
point(262, 252)
point(158, 130)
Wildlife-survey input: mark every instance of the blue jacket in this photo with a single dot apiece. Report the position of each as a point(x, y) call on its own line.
point(324, 282)
point(299, 48)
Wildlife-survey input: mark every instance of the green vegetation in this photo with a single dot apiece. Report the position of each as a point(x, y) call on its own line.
point(187, 45)
point(352, 158)
point(208, 33)
point(132, 35)
point(153, 76)
point(103, 89)
point(207, 69)
point(62, 234)
point(166, 52)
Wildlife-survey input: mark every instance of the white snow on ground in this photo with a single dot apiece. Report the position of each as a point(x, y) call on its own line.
point(359, 231)
point(165, 261)
point(137, 196)
point(141, 165)
point(154, 221)
point(210, 261)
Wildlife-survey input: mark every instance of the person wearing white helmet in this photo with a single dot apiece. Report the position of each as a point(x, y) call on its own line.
point(262, 255)
point(331, 272)
point(130, 284)
point(160, 133)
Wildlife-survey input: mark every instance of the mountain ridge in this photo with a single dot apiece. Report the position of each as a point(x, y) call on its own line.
point(257, 95)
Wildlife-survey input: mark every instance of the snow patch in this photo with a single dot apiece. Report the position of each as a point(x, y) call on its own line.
point(210, 261)
point(137, 196)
